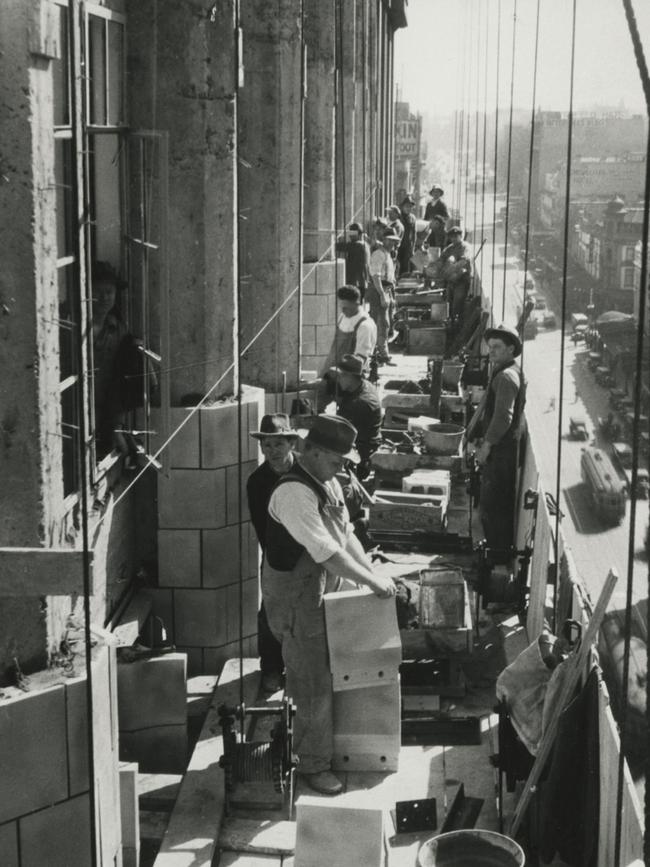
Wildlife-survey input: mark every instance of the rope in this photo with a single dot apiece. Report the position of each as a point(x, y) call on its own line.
point(496, 162)
point(478, 78)
point(565, 263)
point(467, 100)
point(530, 172)
point(512, 89)
point(485, 90)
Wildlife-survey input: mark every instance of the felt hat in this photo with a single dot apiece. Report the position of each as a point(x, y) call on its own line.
point(275, 424)
point(507, 334)
point(334, 434)
point(455, 230)
point(408, 200)
point(355, 227)
point(436, 188)
point(353, 364)
point(391, 236)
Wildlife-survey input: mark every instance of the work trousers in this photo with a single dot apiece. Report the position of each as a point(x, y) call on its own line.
point(381, 316)
point(497, 497)
point(269, 648)
point(296, 615)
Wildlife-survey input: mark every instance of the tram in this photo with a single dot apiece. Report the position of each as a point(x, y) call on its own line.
point(607, 491)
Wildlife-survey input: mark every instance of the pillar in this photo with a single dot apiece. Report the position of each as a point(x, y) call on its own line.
point(345, 113)
point(271, 155)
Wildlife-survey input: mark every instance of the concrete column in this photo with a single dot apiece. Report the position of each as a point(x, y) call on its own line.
point(181, 79)
point(318, 186)
point(373, 106)
point(345, 113)
point(271, 154)
point(361, 139)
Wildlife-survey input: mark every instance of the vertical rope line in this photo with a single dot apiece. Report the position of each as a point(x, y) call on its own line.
point(76, 27)
point(641, 351)
point(560, 422)
point(530, 172)
point(496, 162)
point(301, 195)
point(507, 220)
point(468, 113)
point(478, 78)
point(485, 91)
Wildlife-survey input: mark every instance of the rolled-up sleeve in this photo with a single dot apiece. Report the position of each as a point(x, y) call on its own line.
point(295, 506)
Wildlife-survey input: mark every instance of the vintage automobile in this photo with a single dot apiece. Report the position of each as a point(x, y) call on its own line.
point(578, 428)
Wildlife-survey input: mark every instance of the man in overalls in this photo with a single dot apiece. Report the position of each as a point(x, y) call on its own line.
point(356, 334)
point(501, 424)
point(310, 547)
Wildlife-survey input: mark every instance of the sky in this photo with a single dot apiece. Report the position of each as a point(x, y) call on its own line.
point(442, 57)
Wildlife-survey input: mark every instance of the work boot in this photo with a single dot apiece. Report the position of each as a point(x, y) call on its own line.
point(324, 782)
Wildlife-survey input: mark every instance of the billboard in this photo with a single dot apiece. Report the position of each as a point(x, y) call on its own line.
point(407, 139)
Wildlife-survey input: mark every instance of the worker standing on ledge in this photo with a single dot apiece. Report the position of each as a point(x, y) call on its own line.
point(310, 547)
point(498, 424)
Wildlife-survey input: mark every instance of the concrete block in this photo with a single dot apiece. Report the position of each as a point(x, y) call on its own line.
point(190, 499)
point(194, 659)
point(235, 490)
point(184, 449)
point(129, 814)
point(329, 276)
point(309, 339)
point(152, 692)
point(179, 558)
point(32, 752)
point(254, 398)
point(77, 736)
point(221, 555)
point(58, 836)
point(9, 844)
point(309, 278)
point(324, 337)
point(106, 747)
point(200, 618)
point(220, 426)
point(251, 602)
point(215, 657)
point(327, 834)
point(367, 728)
point(315, 310)
point(363, 639)
point(311, 362)
point(161, 750)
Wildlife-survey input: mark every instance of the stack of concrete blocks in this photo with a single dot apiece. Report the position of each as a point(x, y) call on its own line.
point(365, 655)
point(44, 769)
point(130, 814)
point(320, 280)
point(201, 513)
point(331, 834)
point(152, 709)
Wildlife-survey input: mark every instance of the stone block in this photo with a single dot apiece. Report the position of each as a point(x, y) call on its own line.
point(255, 401)
point(324, 337)
point(77, 736)
point(220, 426)
point(129, 814)
point(194, 659)
point(329, 276)
point(251, 600)
point(309, 278)
point(189, 499)
point(327, 834)
point(152, 692)
point(58, 836)
point(363, 639)
point(200, 618)
point(184, 449)
point(236, 489)
point(9, 845)
point(309, 339)
point(221, 555)
point(32, 752)
point(311, 362)
point(367, 728)
point(179, 558)
point(160, 750)
point(315, 310)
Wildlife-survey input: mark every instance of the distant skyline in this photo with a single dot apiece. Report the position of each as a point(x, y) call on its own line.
point(440, 58)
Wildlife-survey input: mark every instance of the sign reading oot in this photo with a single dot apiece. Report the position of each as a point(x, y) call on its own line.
point(407, 138)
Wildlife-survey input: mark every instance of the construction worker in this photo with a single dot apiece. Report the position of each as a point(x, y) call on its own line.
point(436, 207)
point(310, 547)
point(358, 402)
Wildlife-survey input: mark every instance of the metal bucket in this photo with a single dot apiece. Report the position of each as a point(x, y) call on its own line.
point(471, 848)
point(443, 439)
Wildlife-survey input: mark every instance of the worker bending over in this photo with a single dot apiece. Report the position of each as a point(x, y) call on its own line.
point(310, 547)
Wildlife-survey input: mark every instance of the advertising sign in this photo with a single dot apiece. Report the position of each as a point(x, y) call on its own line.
point(407, 139)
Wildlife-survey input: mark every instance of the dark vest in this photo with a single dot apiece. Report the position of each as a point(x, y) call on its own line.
point(282, 551)
point(514, 430)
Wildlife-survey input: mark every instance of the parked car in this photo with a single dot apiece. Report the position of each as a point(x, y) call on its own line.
point(578, 428)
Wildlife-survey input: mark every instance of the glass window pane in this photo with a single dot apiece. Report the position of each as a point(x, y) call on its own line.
point(70, 438)
point(60, 73)
point(67, 321)
point(97, 70)
point(105, 197)
point(64, 201)
point(115, 72)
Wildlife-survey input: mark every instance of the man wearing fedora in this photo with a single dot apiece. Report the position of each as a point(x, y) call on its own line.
point(436, 207)
point(309, 548)
point(277, 440)
point(358, 402)
point(498, 422)
point(407, 244)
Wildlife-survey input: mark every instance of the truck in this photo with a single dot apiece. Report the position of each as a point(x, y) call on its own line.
point(607, 491)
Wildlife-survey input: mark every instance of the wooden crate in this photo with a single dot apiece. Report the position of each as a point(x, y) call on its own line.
point(391, 467)
point(443, 598)
point(413, 512)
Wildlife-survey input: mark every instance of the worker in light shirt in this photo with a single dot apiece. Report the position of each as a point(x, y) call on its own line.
point(381, 292)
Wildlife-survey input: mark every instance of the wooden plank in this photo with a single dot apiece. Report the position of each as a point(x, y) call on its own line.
point(262, 836)
point(43, 572)
point(193, 830)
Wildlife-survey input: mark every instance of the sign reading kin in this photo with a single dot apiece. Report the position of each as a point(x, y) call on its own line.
point(407, 138)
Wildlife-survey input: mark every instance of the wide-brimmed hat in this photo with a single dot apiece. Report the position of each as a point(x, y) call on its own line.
point(334, 434)
point(408, 200)
point(353, 364)
point(507, 334)
point(436, 188)
point(276, 424)
point(391, 236)
point(454, 230)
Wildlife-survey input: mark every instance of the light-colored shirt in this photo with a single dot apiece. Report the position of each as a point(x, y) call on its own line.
point(382, 265)
point(366, 333)
point(296, 507)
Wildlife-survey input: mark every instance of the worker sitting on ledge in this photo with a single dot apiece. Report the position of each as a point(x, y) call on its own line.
point(310, 547)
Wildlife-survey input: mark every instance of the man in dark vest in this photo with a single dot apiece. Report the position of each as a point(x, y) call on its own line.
point(499, 424)
point(310, 547)
point(277, 440)
point(358, 402)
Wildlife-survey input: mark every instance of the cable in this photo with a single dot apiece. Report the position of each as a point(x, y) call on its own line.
point(507, 220)
point(478, 78)
point(496, 163)
point(565, 263)
point(485, 91)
